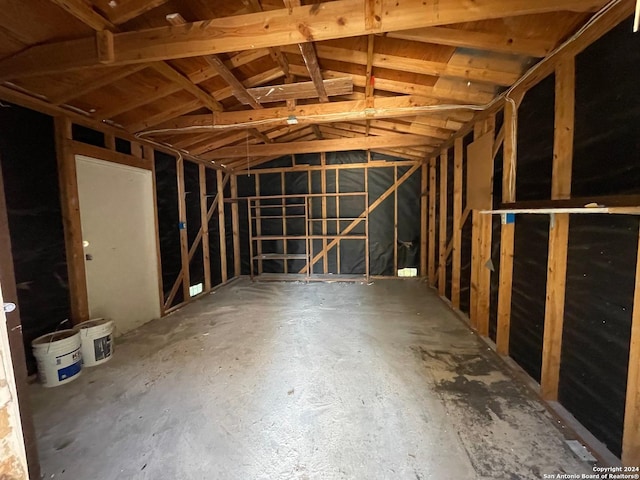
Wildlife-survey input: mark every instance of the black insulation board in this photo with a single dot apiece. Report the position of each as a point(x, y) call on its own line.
point(168, 222)
point(601, 264)
point(531, 246)
point(28, 158)
point(123, 146)
point(409, 219)
point(228, 225)
point(87, 135)
point(606, 158)
point(450, 174)
point(380, 223)
point(308, 159)
point(214, 229)
point(496, 225)
point(535, 142)
point(194, 221)
point(465, 243)
point(247, 185)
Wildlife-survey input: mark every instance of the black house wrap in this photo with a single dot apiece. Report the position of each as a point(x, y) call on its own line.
point(381, 227)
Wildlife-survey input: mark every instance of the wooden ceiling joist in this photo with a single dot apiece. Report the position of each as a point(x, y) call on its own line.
point(316, 146)
point(494, 42)
point(466, 95)
point(415, 65)
point(311, 61)
point(172, 74)
point(341, 18)
point(301, 90)
point(215, 62)
point(385, 107)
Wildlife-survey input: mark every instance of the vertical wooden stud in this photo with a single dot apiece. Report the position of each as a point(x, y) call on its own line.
point(221, 227)
point(235, 227)
point(442, 236)
point(432, 223)
point(507, 229)
point(458, 152)
point(338, 223)
point(424, 182)
point(395, 221)
point(367, 206)
point(284, 221)
point(70, 205)
point(475, 262)
point(258, 224)
point(204, 219)
point(559, 230)
point(554, 306)
point(149, 153)
point(136, 149)
point(110, 142)
point(484, 273)
point(631, 430)
point(184, 241)
point(323, 185)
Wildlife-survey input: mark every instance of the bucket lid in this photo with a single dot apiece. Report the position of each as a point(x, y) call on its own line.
point(53, 337)
point(94, 322)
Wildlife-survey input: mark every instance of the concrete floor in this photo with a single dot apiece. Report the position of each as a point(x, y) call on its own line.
point(296, 381)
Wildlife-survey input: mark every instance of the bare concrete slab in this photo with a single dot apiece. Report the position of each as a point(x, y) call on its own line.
point(297, 381)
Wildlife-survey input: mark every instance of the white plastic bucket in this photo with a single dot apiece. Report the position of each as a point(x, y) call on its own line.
point(97, 341)
point(59, 357)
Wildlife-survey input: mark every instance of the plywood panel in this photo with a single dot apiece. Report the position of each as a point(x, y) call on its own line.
point(480, 173)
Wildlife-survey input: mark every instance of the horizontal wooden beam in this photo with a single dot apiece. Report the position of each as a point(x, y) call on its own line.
point(464, 94)
point(79, 148)
point(416, 65)
point(384, 107)
point(322, 21)
point(345, 144)
point(301, 90)
point(338, 166)
point(494, 42)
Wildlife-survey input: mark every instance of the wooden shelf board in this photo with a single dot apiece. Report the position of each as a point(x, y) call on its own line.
point(577, 210)
point(280, 237)
point(262, 217)
point(281, 256)
point(334, 219)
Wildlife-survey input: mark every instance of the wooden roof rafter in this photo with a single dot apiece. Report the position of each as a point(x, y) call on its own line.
point(345, 18)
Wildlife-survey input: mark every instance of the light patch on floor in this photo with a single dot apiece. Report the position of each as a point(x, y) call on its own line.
point(296, 381)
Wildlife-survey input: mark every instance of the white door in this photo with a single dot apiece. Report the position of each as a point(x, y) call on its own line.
point(118, 229)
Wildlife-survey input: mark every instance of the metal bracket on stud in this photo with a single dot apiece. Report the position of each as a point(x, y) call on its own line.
point(552, 220)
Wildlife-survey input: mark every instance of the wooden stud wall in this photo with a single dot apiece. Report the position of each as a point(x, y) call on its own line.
point(142, 156)
point(507, 228)
point(564, 68)
point(558, 230)
point(70, 205)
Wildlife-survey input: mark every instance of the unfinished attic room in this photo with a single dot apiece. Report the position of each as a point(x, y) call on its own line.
point(319, 240)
